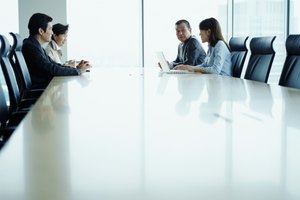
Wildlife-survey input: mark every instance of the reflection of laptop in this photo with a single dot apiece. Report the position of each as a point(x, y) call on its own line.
point(165, 65)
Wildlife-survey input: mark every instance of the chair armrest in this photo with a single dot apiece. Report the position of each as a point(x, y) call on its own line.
point(33, 93)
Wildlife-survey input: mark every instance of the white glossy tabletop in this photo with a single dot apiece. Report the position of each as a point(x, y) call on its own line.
point(129, 134)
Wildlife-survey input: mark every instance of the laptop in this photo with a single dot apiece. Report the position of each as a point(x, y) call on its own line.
point(165, 65)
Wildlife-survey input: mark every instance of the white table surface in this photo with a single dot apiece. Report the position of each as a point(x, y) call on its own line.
point(133, 134)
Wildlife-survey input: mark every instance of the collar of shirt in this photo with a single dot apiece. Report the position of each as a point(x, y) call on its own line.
point(55, 46)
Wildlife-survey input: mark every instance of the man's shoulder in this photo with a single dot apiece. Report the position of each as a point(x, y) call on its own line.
point(30, 44)
point(30, 41)
point(193, 41)
point(27, 40)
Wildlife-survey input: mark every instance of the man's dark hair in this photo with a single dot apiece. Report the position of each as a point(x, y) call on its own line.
point(36, 21)
point(183, 21)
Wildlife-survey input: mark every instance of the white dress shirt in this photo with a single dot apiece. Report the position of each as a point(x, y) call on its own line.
point(54, 51)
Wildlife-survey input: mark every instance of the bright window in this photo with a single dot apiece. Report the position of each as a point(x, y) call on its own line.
point(258, 18)
point(9, 22)
point(294, 17)
point(9, 18)
point(160, 18)
point(105, 32)
point(110, 35)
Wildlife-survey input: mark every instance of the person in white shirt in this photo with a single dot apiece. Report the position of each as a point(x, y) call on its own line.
point(218, 58)
point(58, 39)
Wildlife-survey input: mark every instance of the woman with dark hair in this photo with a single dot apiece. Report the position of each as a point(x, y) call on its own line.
point(58, 39)
point(218, 58)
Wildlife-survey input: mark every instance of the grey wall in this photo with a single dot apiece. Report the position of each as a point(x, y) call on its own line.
point(57, 9)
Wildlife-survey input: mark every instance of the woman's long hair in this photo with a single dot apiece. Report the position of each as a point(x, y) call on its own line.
point(215, 28)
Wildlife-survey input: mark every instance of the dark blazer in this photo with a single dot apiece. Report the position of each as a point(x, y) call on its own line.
point(41, 67)
point(190, 52)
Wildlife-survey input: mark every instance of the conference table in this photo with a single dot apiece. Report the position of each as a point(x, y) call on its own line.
point(139, 134)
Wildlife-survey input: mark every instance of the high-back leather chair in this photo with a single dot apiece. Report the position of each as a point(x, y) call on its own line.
point(3, 106)
point(7, 118)
point(238, 54)
point(20, 68)
point(16, 101)
point(290, 75)
point(261, 59)
point(14, 93)
point(8, 123)
point(18, 62)
point(3, 118)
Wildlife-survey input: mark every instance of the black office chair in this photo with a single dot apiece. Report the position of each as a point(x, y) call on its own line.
point(8, 122)
point(16, 100)
point(261, 59)
point(238, 54)
point(3, 108)
point(4, 131)
point(20, 68)
point(290, 75)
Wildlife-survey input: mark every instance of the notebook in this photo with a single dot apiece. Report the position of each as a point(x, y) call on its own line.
point(165, 65)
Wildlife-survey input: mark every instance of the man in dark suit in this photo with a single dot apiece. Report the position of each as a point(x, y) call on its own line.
point(42, 68)
point(190, 51)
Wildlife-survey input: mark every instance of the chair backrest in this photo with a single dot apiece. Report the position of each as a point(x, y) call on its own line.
point(18, 62)
point(3, 106)
point(290, 75)
point(261, 59)
point(10, 78)
point(238, 54)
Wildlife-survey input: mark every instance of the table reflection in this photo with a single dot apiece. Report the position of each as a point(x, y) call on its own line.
point(190, 89)
point(259, 94)
point(46, 147)
point(156, 136)
point(209, 110)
